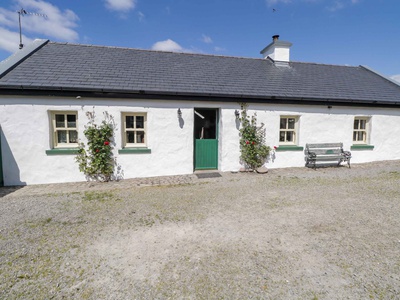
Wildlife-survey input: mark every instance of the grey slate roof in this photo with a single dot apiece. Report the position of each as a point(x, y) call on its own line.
point(73, 67)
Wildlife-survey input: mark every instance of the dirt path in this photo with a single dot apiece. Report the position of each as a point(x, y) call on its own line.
point(294, 233)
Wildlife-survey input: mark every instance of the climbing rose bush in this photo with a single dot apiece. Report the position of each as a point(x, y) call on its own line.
point(253, 150)
point(96, 159)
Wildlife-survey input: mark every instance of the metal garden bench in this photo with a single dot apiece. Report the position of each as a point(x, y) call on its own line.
point(329, 152)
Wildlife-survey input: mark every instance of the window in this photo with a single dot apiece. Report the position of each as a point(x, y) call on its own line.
point(288, 130)
point(64, 126)
point(361, 130)
point(134, 130)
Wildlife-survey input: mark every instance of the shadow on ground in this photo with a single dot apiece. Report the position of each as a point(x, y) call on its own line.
point(5, 190)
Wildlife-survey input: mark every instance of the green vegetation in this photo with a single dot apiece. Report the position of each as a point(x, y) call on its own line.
point(253, 150)
point(96, 160)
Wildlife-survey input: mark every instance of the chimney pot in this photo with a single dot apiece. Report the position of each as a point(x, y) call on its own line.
point(275, 38)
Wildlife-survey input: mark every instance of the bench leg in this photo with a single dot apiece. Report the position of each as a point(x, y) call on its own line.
point(311, 162)
point(314, 164)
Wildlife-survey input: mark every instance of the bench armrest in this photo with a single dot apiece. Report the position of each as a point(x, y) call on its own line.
point(312, 155)
point(347, 154)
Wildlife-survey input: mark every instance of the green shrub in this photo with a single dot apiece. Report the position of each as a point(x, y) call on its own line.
point(253, 150)
point(96, 159)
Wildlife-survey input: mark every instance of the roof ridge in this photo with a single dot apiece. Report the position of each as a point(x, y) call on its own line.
point(323, 64)
point(156, 51)
point(193, 53)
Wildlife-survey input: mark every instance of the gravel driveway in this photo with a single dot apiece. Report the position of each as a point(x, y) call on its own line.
point(294, 233)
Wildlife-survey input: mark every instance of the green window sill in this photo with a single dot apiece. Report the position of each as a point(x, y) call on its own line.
point(289, 148)
point(134, 150)
point(362, 147)
point(62, 151)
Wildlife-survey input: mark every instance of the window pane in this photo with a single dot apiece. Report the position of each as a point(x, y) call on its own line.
point(356, 124)
point(73, 136)
point(283, 123)
point(60, 121)
point(61, 136)
point(281, 136)
point(361, 136)
point(129, 121)
point(130, 137)
point(289, 136)
point(139, 122)
point(363, 124)
point(291, 123)
point(140, 136)
point(71, 121)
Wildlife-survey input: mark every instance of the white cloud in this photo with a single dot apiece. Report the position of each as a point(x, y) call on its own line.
point(340, 4)
point(9, 40)
point(332, 5)
point(58, 24)
point(274, 2)
point(396, 77)
point(336, 6)
point(141, 16)
point(8, 18)
point(206, 39)
point(120, 5)
point(167, 45)
point(219, 49)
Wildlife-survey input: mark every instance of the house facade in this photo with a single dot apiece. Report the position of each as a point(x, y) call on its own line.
point(175, 113)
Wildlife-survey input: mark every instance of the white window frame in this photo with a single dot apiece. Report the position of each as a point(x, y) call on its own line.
point(366, 130)
point(125, 130)
point(55, 130)
point(294, 130)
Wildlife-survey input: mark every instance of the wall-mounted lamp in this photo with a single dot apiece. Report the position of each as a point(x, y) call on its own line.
point(237, 114)
point(179, 113)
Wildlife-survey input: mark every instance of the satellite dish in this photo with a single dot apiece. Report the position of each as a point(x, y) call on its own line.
point(23, 12)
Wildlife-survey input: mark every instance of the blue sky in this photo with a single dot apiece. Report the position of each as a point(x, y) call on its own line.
point(343, 32)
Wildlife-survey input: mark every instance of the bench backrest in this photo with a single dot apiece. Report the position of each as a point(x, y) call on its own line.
point(325, 149)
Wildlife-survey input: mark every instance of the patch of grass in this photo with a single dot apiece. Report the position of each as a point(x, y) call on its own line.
point(276, 202)
point(39, 223)
point(379, 292)
point(100, 196)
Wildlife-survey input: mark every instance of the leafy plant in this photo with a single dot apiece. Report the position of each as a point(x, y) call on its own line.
point(96, 160)
point(253, 150)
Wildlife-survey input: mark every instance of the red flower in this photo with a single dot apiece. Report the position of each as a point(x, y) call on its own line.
point(275, 147)
point(106, 143)
point(253, 143)
point(97, 150)
point(247, 142)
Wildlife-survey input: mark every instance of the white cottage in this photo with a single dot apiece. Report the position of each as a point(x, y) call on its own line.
point(175, 112)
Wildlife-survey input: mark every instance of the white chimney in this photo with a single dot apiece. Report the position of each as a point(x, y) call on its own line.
point(277, 50)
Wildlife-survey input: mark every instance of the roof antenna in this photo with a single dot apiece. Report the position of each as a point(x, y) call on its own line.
point(23, 12)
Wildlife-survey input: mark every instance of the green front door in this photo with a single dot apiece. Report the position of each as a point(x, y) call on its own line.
point(205, 139)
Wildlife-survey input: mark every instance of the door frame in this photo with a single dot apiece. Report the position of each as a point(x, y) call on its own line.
point(217, 138)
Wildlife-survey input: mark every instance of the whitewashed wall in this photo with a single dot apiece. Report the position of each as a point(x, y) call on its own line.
point(26, 135)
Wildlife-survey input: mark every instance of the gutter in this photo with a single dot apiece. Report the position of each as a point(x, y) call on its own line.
point(80, 93)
